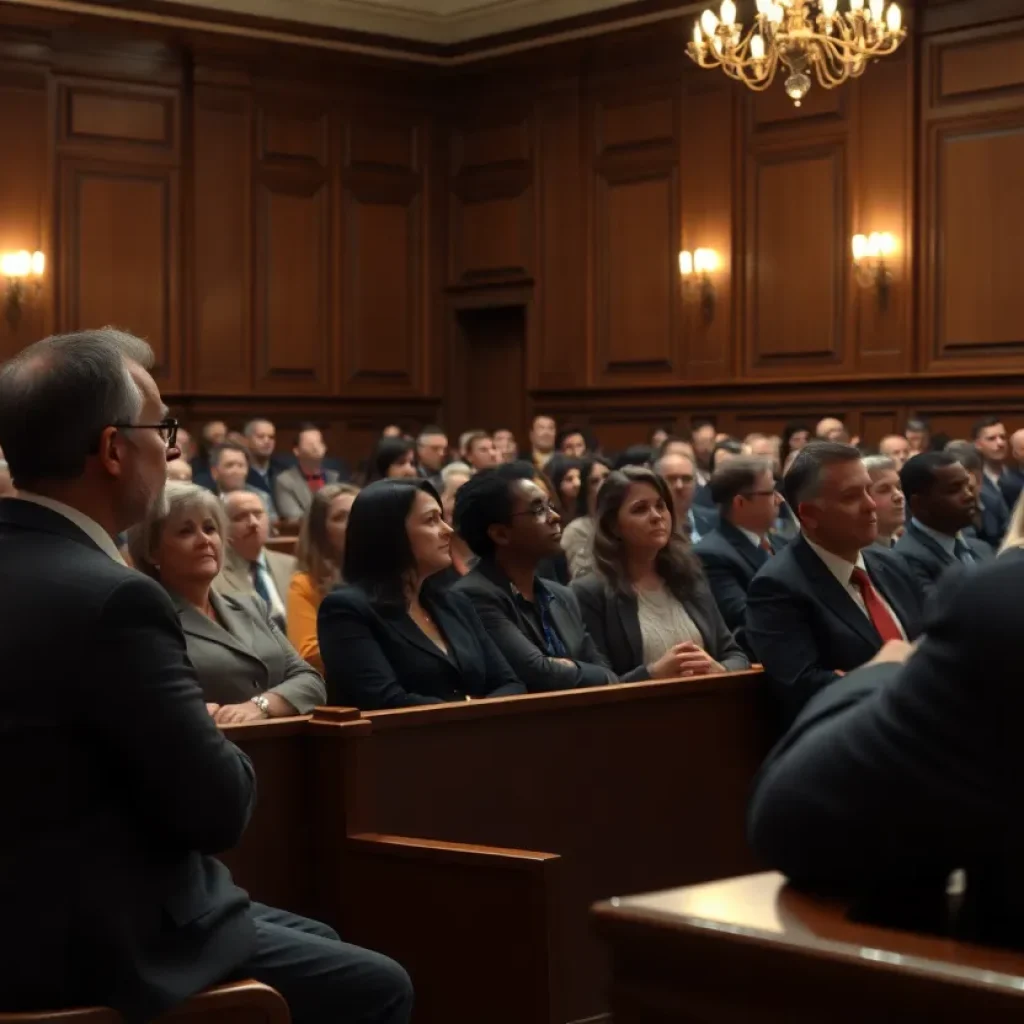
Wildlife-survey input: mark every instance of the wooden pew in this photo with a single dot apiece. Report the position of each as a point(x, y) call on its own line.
point(751, 949)
point(456, 915)
point(633, 787)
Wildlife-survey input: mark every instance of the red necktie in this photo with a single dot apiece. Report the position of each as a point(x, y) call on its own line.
point(881, 617)
point(766, 546)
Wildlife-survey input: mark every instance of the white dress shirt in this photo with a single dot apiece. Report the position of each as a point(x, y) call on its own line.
point(750, 535)
point(88, 526)
point(843, 571)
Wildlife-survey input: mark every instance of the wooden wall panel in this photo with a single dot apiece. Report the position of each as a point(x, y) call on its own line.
point(24, 199)
point(796, 245)
point(221, 351)
point(118, 253)
point(292, 286)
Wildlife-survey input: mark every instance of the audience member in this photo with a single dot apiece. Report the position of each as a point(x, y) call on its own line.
point(542, 440)
point(480, 451)
point(998, 481)
point(392, 430)
point(831, 428)
point(264, 466)
point(7, 489)
point(294, 488)
point(578, 536)
point(249, 568)
point(634, 455)
point(432, 454)
point(887, 494)
point(505, 442)
point(918, 435)
point(1017, 450)
point(186, 446)
point(794, 436)
point(647, 604)
point(179, 471)
point(147, 789)
point(829, 600)
point(247, 669)
point(320, 554)
point(888, 783)
point(724, 451)
point(511, 525)
point(386, 639)
point(1014, 538)
point(895, 447)
point(763, 446)
point(658, 436)
point(943, 504)
point(571, 442)
point(394, 458)
point(675, 446)
point(703, 438)
point(732, 553)
point(992, 515)
point(564, 474)
point(679, 472)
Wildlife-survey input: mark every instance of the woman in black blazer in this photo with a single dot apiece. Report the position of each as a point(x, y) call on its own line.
point(387, 638)
point(647, 604)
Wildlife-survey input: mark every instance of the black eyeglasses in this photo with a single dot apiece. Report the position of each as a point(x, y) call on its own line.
point(541, 511)
point(168, 429)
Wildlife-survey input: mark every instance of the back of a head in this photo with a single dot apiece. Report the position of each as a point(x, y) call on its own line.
point(966, 454)
point(735, 477)
point(918, 472)
point(484, 501)
point(378, 555)
point(801, 481)
point(730, 447)
point(58, 395)
point(876, 464)
point(634, 455)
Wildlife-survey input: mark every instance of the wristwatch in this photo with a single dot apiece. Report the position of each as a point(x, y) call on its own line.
point(263, 704)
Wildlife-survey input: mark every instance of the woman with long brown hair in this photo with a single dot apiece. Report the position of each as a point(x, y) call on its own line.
point(647, 602)
point(319, 556)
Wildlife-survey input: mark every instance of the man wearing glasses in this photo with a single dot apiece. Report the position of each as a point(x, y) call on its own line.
point(508, 521)
point(122, 788)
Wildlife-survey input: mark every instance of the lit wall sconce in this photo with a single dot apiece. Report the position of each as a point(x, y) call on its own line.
point(870, 253)
point(18, 268)
point(701, 263)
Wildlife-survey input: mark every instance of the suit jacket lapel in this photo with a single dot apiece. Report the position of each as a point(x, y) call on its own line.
point(754, 556)
point(629, 619)
point(832, 593)
point(236, 633)
point(410, 632)
point(879, 573)
point(564, 624)
point(930, 544)
point(700, 620)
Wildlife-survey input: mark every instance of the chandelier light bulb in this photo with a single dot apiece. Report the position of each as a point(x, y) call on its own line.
point(764, 6)
point(877, 7)
point(757, 47)
point(828, 7)
point(728, 12)
point(698, 36)
point(776, 14)
point(860, 248)
point(856, 5)
point(708, 22)
point(894, 18)
point(716, 45)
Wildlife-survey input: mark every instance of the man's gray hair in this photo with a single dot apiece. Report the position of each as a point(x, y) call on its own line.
point(803, 478)
point(178, 497)
point(879, 464)
point(455, 469)
point(58, 395)
point(250, 428)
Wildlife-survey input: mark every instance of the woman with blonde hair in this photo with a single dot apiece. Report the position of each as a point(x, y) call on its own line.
point(1014, 539)
point(246, 667)
point(320, 555)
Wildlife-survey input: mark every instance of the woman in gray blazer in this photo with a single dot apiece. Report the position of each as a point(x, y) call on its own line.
point(247, 668)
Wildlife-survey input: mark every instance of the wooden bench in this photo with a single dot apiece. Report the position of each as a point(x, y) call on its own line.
point(751, 949)
point(241, 1002)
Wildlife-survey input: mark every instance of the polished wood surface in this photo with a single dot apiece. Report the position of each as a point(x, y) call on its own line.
point(800, 957)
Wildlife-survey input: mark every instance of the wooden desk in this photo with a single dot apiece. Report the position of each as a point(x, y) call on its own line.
point(749, 950)
point(632, 787)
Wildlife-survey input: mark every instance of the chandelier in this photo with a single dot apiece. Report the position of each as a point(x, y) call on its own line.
point(834, 46)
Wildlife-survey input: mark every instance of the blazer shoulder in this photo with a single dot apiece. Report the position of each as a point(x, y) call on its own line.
point(476, 586)
point(349, 598)
point(590, 587)
point(284, 561)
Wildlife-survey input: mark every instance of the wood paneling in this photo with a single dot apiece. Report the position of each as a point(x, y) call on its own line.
point(796, 259)
point(118, 254)
point(293, 136)
point(980, 63)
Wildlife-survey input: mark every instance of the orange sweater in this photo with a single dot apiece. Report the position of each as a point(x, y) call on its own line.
point(303, 602)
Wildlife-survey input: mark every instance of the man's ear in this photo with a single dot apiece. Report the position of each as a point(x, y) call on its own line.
point(109, 451)
point(807, 513)
point(499, 534)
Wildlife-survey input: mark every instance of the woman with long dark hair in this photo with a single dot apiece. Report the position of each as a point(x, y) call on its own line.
point(647, 602)
point(564, 473)
point(388, 638)
point(578, 536)
point(394, 458)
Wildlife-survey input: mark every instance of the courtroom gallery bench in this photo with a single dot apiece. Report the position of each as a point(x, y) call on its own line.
point(752, 949)
point(469, 840)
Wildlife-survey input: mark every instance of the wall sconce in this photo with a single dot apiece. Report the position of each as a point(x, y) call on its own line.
point(17, 267)
point(702, 263)
point(869, 255)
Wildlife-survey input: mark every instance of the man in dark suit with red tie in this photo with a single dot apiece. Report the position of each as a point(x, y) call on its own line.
point(733, 552)
point(828, 602)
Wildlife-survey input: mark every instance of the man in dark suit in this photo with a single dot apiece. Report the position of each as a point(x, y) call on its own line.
point(510, 524)
point(121, 786)
point(828, 602)
point(992, 516)
point(680, 473)
point(265, 465)
point(943, 504)
point(732, 553)
point(992, 444)
point(909, 767)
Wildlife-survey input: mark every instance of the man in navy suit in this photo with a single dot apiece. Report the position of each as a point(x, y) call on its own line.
point(680, 473)
point(943, 504)
point(827, 603)
point(733, 552)
point(998, 481)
